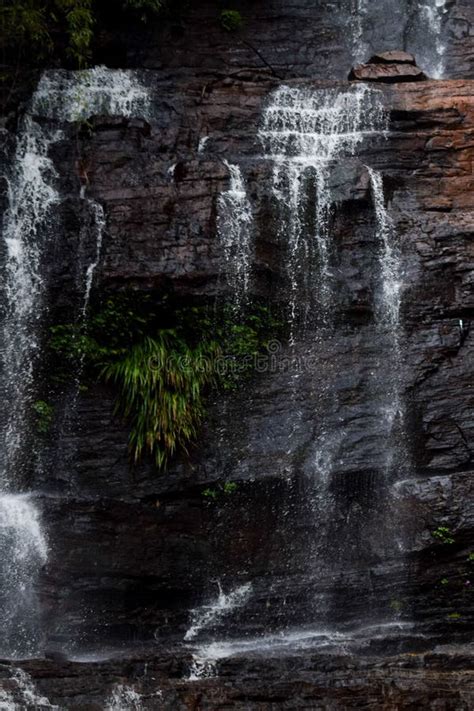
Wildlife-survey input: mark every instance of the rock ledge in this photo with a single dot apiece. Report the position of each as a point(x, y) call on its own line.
point(392, 66)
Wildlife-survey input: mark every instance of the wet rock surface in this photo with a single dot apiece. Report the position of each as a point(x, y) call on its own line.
point(132, 551)
point(442, 679)
point(158, 543)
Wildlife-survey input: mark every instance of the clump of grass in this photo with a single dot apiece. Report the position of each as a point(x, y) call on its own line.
point(161, 383)
point(162, 361)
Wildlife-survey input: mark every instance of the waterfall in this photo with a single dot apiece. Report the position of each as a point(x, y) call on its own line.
point(124, 698)
point(312, 139)
point(76, 96)
point(23, 695)
point(207, 615)
point(415, 25)
point(23, 550)
point(203, 665)
point(234, 224)
point(31, 195)
point(387, 313)
point(430, 20)
point(303, 133)
point(29, 222)
point(98, 217)
point(359, 12)
point(388, 307)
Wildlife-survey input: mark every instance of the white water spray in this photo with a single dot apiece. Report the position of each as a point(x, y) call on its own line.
point(207, 615)
point(234, 223)
point(357, 20)
point(304, 132)
point(389, 304)
point(28, 225)
point(388, 313)
point(98, 217)
point(124, 698)
point(431, 20)
point(23, 694)
point(76, 96)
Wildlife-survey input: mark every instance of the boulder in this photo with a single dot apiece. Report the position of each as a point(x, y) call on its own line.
point(397, 72)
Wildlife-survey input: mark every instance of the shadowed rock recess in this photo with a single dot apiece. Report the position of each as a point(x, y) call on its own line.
point(204, 167)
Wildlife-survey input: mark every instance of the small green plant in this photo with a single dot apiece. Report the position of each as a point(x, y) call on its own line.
point(444, 581)
point(161, 383)
point(470, 558)
point(454, 616)
point(144, 5)
point(231, 20)
point(44, 416)
point(443, 534)
point(396, 605)
point(226, 489)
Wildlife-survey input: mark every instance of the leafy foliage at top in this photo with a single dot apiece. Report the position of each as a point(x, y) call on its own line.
point(231, 20)
point(38, 27)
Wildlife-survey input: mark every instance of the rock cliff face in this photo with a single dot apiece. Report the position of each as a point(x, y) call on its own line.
point(168, 236)
point(131, 553)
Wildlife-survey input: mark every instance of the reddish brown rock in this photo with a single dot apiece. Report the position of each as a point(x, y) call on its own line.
point(387, 73)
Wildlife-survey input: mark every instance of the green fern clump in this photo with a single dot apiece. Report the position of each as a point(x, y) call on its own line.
point(37, 25)
point(162, 360)
point(231, 20)
point(45, 27)
point(161, 383)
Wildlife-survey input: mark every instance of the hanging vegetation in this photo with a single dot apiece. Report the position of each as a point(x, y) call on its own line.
point(161, 383)
point(163, 363)
point(42, 27)
point(36, 29)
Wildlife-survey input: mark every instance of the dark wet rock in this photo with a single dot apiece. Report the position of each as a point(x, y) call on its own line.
point(159, 681)
point(155, 544)
point(394, 56)
point(132, 550)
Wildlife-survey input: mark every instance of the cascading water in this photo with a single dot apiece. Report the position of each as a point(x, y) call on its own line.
point(124, 697)
point(23, 548)
point(23, 694)
point(71, 97)
point(208, 615)
point(418, 26)
point(388, 314)
point(76, 96)
point(303, 133)
point(429, 22)
point(205, 617)
point(311, 137)
point(307, 134)
point(235, 231)
point(28, 223)
point(98, 220)
point(358, 15)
